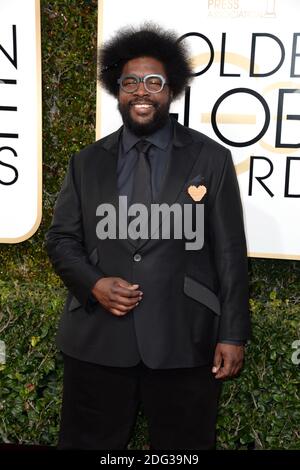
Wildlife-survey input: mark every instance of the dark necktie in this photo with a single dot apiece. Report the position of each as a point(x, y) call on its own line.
point(141, 191)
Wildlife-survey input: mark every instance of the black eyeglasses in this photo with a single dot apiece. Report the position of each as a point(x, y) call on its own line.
point(153, 83)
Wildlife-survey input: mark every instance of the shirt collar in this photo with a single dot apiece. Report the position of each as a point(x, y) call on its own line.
point(160, 138)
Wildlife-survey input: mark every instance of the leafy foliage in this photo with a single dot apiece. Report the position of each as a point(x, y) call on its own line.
point(259, 410)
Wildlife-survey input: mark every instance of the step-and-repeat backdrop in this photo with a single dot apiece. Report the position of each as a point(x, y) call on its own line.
point(20, 120)
point(245, 94)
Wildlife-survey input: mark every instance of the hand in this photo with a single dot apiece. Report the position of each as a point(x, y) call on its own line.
point(117, 295)
point(228, 360)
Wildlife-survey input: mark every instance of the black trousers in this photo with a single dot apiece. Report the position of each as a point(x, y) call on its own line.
point(100, 406)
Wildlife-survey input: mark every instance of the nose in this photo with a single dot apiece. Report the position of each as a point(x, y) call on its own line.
point(141, 90)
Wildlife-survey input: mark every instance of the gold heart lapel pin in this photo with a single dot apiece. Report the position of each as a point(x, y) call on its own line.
point(197, 192)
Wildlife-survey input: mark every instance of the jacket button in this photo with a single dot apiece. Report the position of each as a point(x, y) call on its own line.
point(137, 257)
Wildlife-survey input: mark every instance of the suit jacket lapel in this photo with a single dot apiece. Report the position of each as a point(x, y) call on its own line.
point(180, 165)
point(109, 192)
point(183, 158)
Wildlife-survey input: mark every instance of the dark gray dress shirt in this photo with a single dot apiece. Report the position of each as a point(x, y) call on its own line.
point(159, 154)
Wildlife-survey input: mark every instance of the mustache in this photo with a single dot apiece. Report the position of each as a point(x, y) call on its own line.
point(142, 101)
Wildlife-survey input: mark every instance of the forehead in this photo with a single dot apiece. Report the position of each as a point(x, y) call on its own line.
point(144, 65)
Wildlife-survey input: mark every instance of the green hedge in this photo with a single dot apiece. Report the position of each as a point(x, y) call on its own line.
point(260, 409)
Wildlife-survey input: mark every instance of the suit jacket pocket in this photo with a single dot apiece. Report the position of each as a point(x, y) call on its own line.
point(74, 303)
point(195, 181)
point(202, 294)
point(93, 258)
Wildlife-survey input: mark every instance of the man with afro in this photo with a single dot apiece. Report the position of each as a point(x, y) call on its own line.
point(148, 321)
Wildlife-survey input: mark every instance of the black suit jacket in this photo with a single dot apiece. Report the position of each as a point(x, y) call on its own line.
point(192, 298)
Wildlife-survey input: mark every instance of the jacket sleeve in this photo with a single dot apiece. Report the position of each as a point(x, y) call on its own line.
point(230, 253)
point(65, 244)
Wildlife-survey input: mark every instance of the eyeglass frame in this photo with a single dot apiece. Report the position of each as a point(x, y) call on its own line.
point(142, 80)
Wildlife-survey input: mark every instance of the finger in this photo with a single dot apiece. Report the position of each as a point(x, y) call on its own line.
point(115, 296)
point(117, 312)
point(237, 370)
point(123, 308)
point(126, 302)
point(117, 306)
point(231, 367)
point(123, 283)
point(237, 364)
point(217, 362)
point(125, 292)
point(224, 372)
point(234, 373)
point(221, 374)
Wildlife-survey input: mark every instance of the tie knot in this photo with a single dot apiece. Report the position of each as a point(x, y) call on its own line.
point(143, 146)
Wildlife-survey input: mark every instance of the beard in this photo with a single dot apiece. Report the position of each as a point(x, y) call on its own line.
point(159, 119)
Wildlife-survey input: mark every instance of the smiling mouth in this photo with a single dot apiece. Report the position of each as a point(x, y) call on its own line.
point(142, 105)
point(142, 110)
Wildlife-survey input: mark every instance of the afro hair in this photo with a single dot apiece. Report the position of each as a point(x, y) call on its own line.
point(146, 41)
